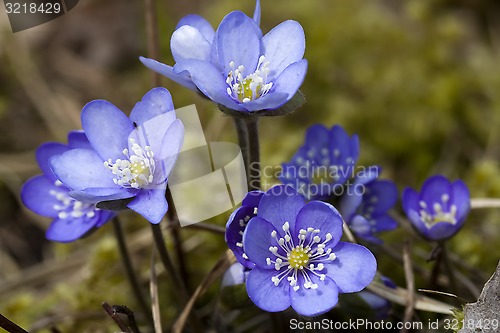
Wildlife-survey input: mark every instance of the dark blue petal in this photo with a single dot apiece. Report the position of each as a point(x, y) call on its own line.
point(385, 223)
point(264, 293)
point(433, 189)
point(157, 102)
point(386, 194)
point(70, 229)
point(317, 136)
point(354, 268)
point(283, 45)
point(78, 139)
point(256, 242)
point(280, 204)
point(209, 81)
point(410, 199)
point(234, 233)
point(103, 217)
point(199, 23)
point(441, 230)
point(35, 195)
point(45, 152)
point(349, 204)
point(82, 168)
point(107, 129)
point(322, 216)
point(313, 302)
point(151, 204)
point(252, 198)
point(368, 175)
point(238, 40)
point(182, 78)
point(188, 42)
point(461, 198)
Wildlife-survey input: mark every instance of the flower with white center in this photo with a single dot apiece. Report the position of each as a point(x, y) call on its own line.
point(236, 66)
point(130, 158)
point(440, 209)
point(236, 225)
point(323, 164)
point(365, 204)
point(299, 259)
point(47, 196)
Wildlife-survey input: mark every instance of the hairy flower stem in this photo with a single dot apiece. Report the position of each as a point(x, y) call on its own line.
point(449, 269)
point(129, 270)
point(242, 131)
point(253, 153)
point(173, 220)
point(436, 256)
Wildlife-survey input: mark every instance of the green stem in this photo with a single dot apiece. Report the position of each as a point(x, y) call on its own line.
point(129, 270)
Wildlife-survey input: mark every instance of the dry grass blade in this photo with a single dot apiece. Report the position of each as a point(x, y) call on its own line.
point(155, 302)
point(348, 233)
point(484, 203)
point(9, 326)
point(410, 286)
point(116, 319)
point(226, 260)
point(399, 296)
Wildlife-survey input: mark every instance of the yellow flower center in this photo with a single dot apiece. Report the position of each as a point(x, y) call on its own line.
point(298, 257)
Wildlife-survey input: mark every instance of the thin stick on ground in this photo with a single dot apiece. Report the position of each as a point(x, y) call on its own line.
point(410, 285)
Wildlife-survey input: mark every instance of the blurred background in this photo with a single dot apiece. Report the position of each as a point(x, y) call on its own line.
point(418, 81)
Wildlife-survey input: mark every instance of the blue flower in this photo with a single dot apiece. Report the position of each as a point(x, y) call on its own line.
point(299, 259)
point(47, 196)
point(236, 66)
point(236, 225)
point(323, 163)
point(236, 274)
point(364, 205)
point(131, 158)
point(440, 209)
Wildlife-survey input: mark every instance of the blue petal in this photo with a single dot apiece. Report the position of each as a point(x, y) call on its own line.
point(171, 145)
point(280, 204)
point(151, 204)
point(234, 275)
point(256, 13)
point(461, 198)
point(78, 139)
point(238, 40)
point(189, 43)
point(45, 152)
point(79, 169)
point(317, 136)
point(157, 102)
point(368, 175)
point(257, 240)
point(252, 198)
point(340, 141)
point(385, 223)
point(95, 195)
point(386, 193)
point(107, 129)
point(104, 216)
point(283, 45)
point(313, 302)
point(354, 268)
point(233, 236)
point(290, 80)
point(349, 204)
point(271, 101)
point(168, 71)
point(264, 293)
point(199, 23)
point(322, 216)
point(441, 230)
point(433, 189)
point(70, 229)
point(209, 81)
point(35, 195)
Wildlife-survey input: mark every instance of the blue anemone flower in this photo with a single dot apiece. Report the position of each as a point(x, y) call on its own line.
point(440, 209)
point(47, 196)
point(237, 223)
point(323, 164)
point(364, 205)
point(299, 259)
point(131, 158)
point(236, 66)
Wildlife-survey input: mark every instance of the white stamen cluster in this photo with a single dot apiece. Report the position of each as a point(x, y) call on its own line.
point(439, 212)
point(305, 256)
point(69, 207)
point(137, 170)
point(243, 224)
point(250, 87)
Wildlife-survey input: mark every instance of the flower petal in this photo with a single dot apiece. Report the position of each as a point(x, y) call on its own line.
point(168, 71)
point(209, 81)
point(252, 199)
point(256, 13)
point(151, 204)
point(264, 293)
point(189, 43)
point(45, 152)
point(313, 302)
point(35, 195)
point(238, 40)
point(290, 80)
point(323, 216)
point(95, 195)
point(433, 189)
point(107, 129)
point(284, 45)
point(198, 22)
point(385, 223)
point(256, 242)
point(157, 102)
point(70, 229)
point(79, 169)
point(270, 101)
point(280, 204)
point(354, 268)
point(386, 194)
point(349, 204)
point(461, 199)
point(317, 136)
point(233, 236)
point(78, 139)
